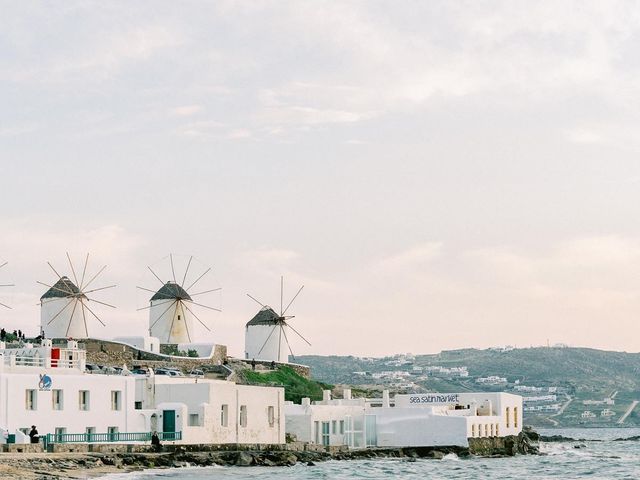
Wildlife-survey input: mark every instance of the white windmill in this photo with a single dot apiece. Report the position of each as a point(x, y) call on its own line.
point(64, 308)
point(172, 308)
point(266, 333)
point(5, 285)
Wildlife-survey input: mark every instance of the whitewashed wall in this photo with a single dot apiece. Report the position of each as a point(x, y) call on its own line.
point(274, 350)
point(50, 307)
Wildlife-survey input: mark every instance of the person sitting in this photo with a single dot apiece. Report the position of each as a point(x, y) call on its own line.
point(33, 434)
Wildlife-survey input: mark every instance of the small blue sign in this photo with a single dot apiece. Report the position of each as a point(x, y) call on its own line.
point(45, 382)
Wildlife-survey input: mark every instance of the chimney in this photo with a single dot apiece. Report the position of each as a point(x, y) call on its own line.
point(385, 398)
point(326, 396)
point(346, 394)
point(306, 401)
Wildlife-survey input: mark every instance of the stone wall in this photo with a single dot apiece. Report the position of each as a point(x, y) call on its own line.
point(103, 352)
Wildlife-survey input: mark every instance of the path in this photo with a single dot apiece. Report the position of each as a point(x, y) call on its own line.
point(564, 406)
point(628, 412)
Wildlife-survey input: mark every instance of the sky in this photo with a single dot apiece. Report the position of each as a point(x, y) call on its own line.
point(437, 175)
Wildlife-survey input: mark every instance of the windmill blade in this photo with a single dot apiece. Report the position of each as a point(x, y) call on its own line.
point(84, 271)
point(75, 305)
point(294, 297)
point(62, 310)
point(186, 325)
point(172, 321)
point(147, 289)
point(98, 289)
point(8, 285)
point(54, 270)
point(166, 295)
point(84, 319)
point(162, 315)
point(154, 274)
point(184, 279)
point(173, 270)
point(155, 305)
point(198, 279)
point(101, 303)
point(73, 271)
point(256, 300)
point(97, 317)
point(192, 313)
point(299, 334)
point(204, 306)
point(5, 306)
point(279, 341)
point(56, 288)
point(286, 339)
point(281, 298)
point(265, 342)
point(5, 263)
point(206, 291)
point(95, 276)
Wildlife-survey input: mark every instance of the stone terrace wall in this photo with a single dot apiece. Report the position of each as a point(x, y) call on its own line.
point(104, 352)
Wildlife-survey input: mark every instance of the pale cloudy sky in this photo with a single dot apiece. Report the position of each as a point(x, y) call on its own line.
point(437, 174)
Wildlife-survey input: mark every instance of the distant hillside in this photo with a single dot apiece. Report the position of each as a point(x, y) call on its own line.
point(584, 368)
point(580, 377)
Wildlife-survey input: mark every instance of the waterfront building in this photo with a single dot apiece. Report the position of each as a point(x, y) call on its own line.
point(405, 420)
point(48, 386)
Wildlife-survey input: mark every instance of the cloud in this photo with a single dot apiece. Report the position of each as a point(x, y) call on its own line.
point(187, 110)
point(414, 258)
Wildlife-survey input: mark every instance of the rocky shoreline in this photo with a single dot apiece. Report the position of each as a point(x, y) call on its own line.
point(50, 466)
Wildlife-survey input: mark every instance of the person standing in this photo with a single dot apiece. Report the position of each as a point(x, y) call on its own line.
point(33, 434)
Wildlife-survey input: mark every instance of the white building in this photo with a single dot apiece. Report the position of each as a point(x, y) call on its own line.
point(407, 420)
point(170, 320)
point(62, 314)
point(266, 337)
point(48, 387)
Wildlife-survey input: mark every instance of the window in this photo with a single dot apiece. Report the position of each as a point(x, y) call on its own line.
point(508, 414)
point(56, 398)
point(137, 405)
point(115, 399)
point(271, 416)
point(316, 432)
point(224, 415)
point(497, 431)
point(515, 417)
point(59, 431)
point(325, 433)
point(243, 415)
point(31, 400)
point(492, 433)
point(473, 430)
point(83, 400)
point(341, 427)
point(334, 427)
point(194, 420)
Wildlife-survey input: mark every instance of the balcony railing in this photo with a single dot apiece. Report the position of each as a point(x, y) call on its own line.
point(109, 437)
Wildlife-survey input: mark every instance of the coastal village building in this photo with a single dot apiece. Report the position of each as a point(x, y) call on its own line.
point(407, 420)
point(48, 387)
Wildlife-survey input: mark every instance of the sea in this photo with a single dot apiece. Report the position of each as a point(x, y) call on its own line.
point(597, 454)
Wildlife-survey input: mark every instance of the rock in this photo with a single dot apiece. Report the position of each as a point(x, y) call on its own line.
point(436, 454)
point(311, 464)
point(244, 459)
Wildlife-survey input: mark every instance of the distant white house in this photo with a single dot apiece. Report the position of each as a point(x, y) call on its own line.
point(588, 414)
point(492, 380)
